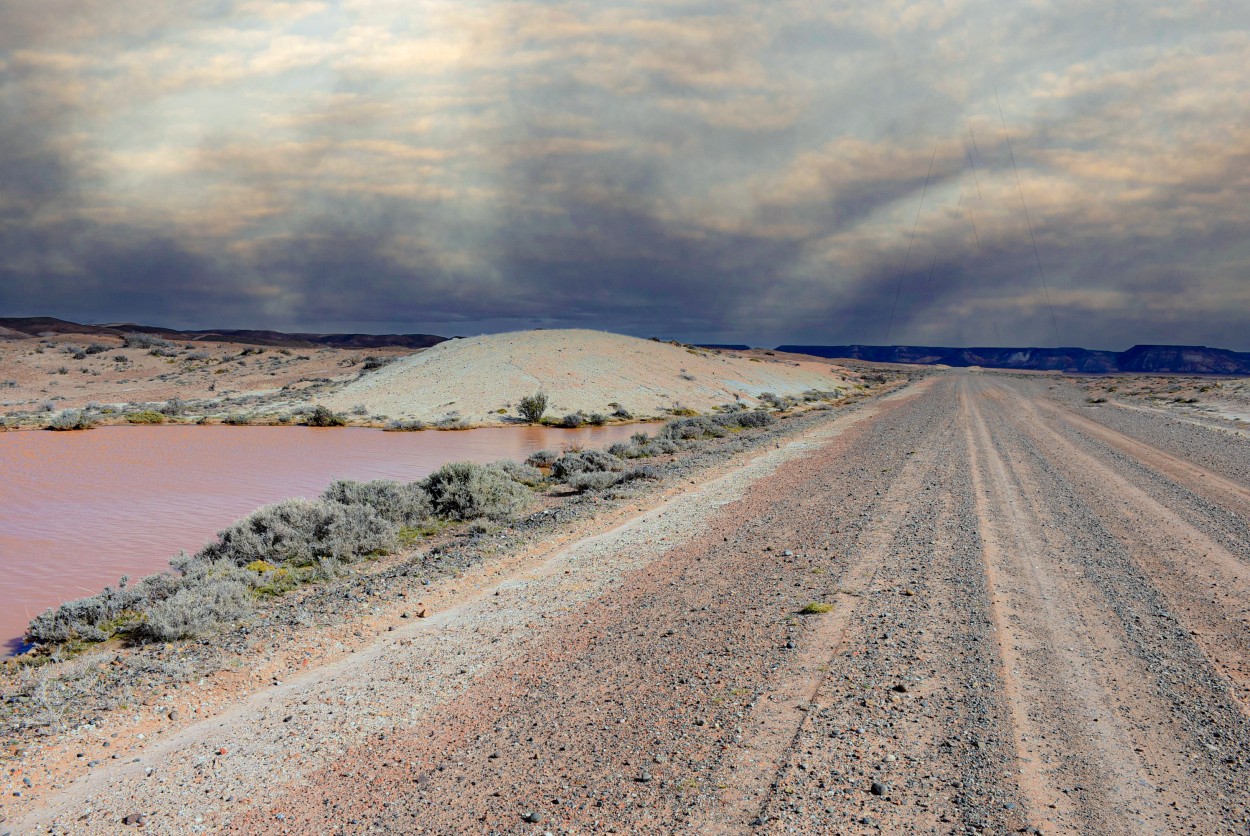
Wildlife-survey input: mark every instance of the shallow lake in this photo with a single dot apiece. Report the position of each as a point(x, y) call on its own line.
point(79, 510)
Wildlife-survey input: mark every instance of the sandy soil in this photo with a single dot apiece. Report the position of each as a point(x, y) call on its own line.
point(481, 379)
point(1223, 400)
point(1038, 624)
point(40, 376)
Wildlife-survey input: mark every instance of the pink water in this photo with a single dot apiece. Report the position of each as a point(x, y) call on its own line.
point(79, 510)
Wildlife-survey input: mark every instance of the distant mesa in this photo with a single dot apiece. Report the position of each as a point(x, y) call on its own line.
point(39, 326)
point(1158, 359)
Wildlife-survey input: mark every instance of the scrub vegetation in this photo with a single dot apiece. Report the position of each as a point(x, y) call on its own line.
point(287, 545)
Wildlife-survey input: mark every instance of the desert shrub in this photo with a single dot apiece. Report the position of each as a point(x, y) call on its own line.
point(145, 416)
point(95, 348)
point(374, 363)
point(402, 503)
point(694, 427)
point(404, 426)
point(63, 370)
point(573, 420)
point(541, 458)
point(322, 417)
point(302, 532)
point(99, 617)
point(47, 406)
point(360, 409)
point(80, 355)
point(174, 406)
point(196, 610)
point(623, 450)
point(237, 420)
point(753, 419)
point(72, 419)
point(644, 472)
point(586, 461)
point(121, 359)
point(621, 412)
point(8, 384)
point(467, 491)
point(593, 481)
point(532, 407)
point(596, 419)
point(138, 340)
point(526, 474)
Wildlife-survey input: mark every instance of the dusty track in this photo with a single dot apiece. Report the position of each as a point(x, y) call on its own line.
point(1041, 619)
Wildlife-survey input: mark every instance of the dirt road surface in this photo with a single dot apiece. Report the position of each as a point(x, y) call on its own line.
point(1038, 620)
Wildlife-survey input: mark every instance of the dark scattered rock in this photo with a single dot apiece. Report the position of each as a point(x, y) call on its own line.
point(532, 818)
point(878, 788)
point(135, 820)
point(900, 688)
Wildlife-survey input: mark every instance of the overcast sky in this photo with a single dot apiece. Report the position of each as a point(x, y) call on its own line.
point(711, 171)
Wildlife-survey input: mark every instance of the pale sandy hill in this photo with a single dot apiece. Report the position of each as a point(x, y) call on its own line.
point(579, 370)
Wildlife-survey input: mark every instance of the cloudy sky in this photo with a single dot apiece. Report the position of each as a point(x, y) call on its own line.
point(760, 172)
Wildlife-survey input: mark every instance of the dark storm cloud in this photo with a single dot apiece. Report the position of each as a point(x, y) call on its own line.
point(723, 171)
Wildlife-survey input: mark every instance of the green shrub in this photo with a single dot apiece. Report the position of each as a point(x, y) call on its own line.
point(816, 608)
point(532, 407)
point(467, 491)
point(322, 417)
point(145, 416)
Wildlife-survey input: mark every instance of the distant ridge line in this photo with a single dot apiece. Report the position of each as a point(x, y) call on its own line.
point(35, 326)
point(1161, 359)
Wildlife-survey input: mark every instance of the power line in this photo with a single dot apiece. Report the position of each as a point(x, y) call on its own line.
point(975, 178)
point(1028, 221)
point(899, 289)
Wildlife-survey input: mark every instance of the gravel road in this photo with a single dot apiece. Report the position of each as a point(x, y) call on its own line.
point(1030, 616)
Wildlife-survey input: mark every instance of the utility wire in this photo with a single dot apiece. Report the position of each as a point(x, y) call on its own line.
point(975, 178)
point(1028, 222)
point(899, 289)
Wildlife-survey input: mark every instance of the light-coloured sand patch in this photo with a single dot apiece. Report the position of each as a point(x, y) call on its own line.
point(580, 370)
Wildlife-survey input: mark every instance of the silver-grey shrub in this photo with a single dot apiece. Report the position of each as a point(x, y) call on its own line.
point(468, 491)
point(402, 503)
point(302, 532)
point(585, 461)
point(197, 610)
point(526, 474)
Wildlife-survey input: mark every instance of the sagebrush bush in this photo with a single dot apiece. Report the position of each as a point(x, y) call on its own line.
point(196, 611)
point(541, 458)
point(573, 420)
point(72, 419)
point(586, 461)
point(303, 532)
point(593, 481)
point(404, 426)
point(467, 491)
point(402, 503)
point(526, 474)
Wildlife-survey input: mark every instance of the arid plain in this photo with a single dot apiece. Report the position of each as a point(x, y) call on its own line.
point(956, 601)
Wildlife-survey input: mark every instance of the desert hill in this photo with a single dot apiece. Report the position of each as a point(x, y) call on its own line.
point(580, 370)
